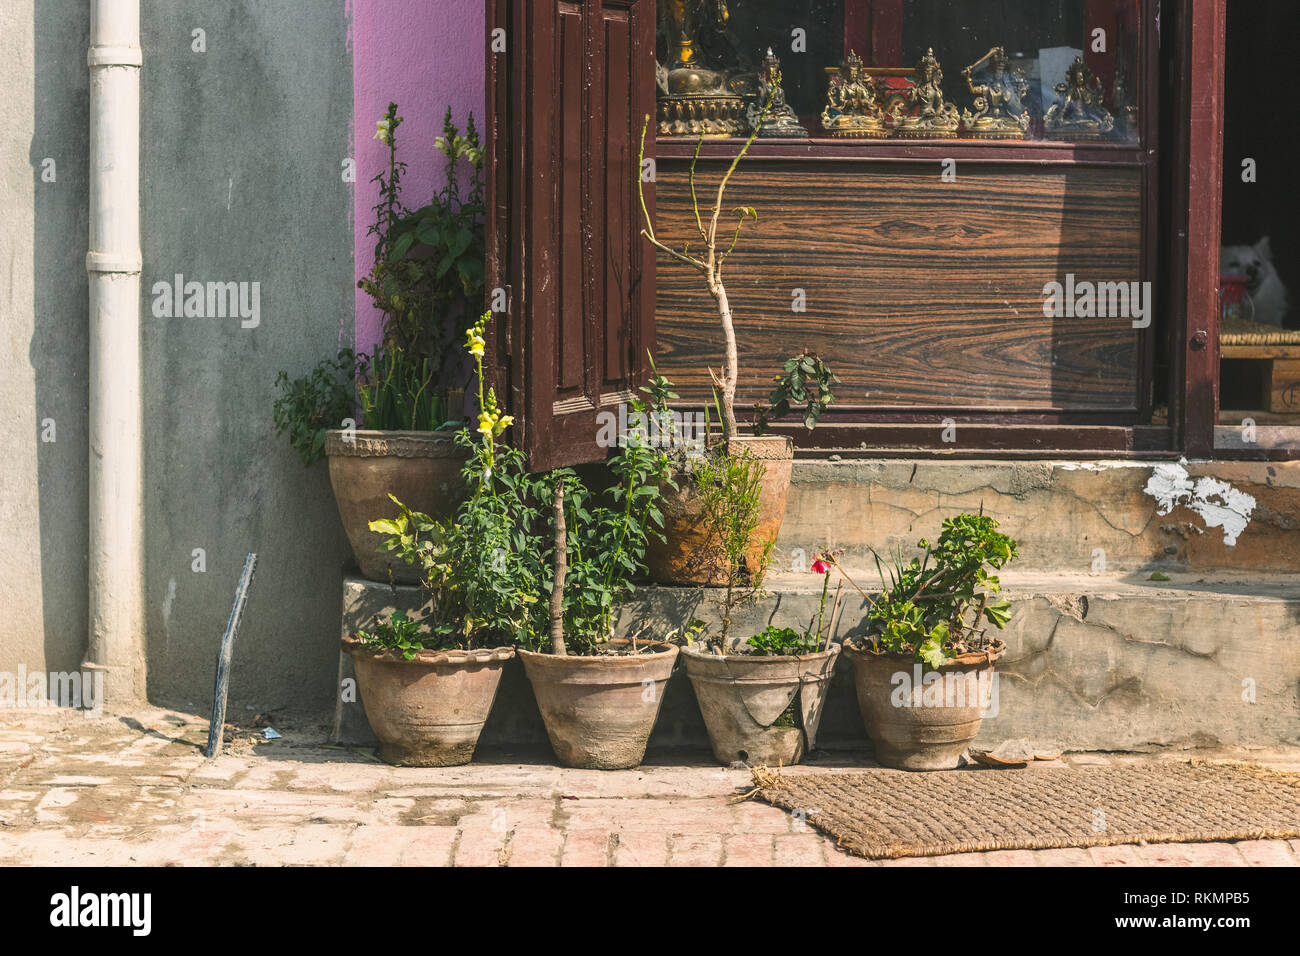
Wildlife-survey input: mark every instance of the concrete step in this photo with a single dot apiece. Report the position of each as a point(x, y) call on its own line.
point(1094, 662)
point(1068, 516)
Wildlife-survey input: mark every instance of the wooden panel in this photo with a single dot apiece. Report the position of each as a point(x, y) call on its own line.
point(1284, 386)
point(918, 292)
point(564, 110)
point(1205, 23)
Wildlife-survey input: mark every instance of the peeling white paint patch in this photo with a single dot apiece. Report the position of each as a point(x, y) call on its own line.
point(1218, 503)
point(167, 603)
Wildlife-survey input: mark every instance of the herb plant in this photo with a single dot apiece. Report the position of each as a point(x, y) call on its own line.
point(481, 567)
point(729, 488)
point(428, 270)
point(400, 633)
point(805, 381)
point(604, 539)
point(938, 606)
point(311, 405)
point(775, 641)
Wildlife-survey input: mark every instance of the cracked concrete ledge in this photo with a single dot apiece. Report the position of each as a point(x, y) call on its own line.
point(1067, 516)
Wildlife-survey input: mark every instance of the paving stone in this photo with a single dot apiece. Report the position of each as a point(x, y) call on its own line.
point(751, 849)
point(1123, 854)
point(803, 849)
point(1009, 857)
point(1190, 854)
point(586, 848)
point(480, 848)
point(1068, 856)
point(912, 861)
point(703, 849)
point(834, 856)
point(963, 859)
point(1266, 853)
point(754, 817)
point(535, 846)
point(641, 848)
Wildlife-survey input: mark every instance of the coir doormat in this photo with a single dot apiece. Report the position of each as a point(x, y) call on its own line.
point(885, 814)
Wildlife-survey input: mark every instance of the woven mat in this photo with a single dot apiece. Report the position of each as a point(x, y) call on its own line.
point(884, 814)
point(1246, 332)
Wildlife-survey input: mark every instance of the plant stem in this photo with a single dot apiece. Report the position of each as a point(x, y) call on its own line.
point(561, 567)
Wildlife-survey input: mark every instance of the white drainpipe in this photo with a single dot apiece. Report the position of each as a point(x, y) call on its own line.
point(117, 618)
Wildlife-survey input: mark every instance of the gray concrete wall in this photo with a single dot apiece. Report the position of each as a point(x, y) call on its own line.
point(43, 328)
point(242, 149)
point(241, 153)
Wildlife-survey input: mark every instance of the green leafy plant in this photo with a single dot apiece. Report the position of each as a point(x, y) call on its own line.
point(399, 391)
point(937, 606)
point(775, 641)
point(606, 538)
point(428, 270)
point(481, 567)
point(729, 486)
point(311, 405)
point(805, 381)
point(400, 633)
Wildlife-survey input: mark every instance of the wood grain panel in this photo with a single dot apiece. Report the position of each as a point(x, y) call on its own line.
point(918, 292)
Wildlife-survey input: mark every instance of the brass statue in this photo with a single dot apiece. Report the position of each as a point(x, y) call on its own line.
point(1126, 112)
point(1079, 114)
point(695, 94)
point(853, 103)
point(780, 120)
point(933, 118)
point(1000, 112)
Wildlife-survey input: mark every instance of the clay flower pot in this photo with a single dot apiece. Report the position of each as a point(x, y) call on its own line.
point(742, 696)
point(916, 721)
point(421, 469)
point(688, 554)
point(429, 711)
point(599, 710)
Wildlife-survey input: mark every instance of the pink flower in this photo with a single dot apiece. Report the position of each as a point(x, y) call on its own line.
point(820, 567)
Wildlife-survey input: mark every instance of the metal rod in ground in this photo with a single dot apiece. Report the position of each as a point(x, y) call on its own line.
point(222, 687)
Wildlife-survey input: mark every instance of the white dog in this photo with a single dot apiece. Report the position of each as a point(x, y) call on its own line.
point(1267, 293)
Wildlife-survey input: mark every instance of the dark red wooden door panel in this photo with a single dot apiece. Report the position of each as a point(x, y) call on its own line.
point(565, 230)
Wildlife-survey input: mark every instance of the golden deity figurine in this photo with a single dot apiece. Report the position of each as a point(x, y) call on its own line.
point(1079, 114)
point(1000, 112)
point(695, 97)
point(853, 103)
point(780, 120)
point(928, 116)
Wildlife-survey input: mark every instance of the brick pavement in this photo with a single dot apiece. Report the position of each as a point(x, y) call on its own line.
point(135, 790)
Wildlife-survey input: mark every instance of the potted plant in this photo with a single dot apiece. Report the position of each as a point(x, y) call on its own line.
point(599, 695)
point(428, 271)
point(761, 700)
point(426, 696)
point(685, 555)
point(924, 670)
point(427, 686)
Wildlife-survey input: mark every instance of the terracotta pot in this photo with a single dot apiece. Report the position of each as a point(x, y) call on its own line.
point(915, 725)
point(688, 555)
point(422, 469)
point(599, 711)
point(741, 697)
point(429, 711)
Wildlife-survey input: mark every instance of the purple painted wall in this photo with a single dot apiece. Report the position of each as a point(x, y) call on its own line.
point(424, 55)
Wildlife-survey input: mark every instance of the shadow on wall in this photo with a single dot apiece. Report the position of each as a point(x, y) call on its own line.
point(58, 348)
point(245, 128)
